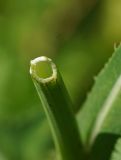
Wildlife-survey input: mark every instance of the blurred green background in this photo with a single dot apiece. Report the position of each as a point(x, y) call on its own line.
point(79, 35)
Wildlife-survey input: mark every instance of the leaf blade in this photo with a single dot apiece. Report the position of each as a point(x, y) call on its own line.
point(101, 102)
point(116, 154)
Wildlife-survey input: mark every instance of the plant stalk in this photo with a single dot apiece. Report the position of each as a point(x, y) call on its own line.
point(58, 108)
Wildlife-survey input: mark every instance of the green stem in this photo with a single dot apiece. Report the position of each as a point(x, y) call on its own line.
point(58, 108)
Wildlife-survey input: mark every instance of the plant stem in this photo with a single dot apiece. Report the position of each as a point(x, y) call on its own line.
point(58, 108)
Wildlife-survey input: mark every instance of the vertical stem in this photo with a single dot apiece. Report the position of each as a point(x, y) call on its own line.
point(58, 108)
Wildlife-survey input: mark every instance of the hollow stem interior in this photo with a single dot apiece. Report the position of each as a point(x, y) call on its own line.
point(43, 69)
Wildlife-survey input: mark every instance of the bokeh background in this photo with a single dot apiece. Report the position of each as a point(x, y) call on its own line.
point(79, 35)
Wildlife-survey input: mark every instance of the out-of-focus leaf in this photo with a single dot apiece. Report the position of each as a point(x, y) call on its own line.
point(37, 143)
point(116, 154)
point(103, 146)
point(101, 112)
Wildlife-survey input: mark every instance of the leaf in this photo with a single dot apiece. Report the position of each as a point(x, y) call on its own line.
point(103, 147)
point(101, 112)
point(116, 155)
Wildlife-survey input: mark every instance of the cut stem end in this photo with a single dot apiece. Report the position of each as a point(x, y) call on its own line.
point(43, 69)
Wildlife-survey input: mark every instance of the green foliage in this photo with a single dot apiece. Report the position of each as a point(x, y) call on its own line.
point(78, 35)
point(101, 112)
point(99, 118)
point(103, 103)
point(116, 155)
